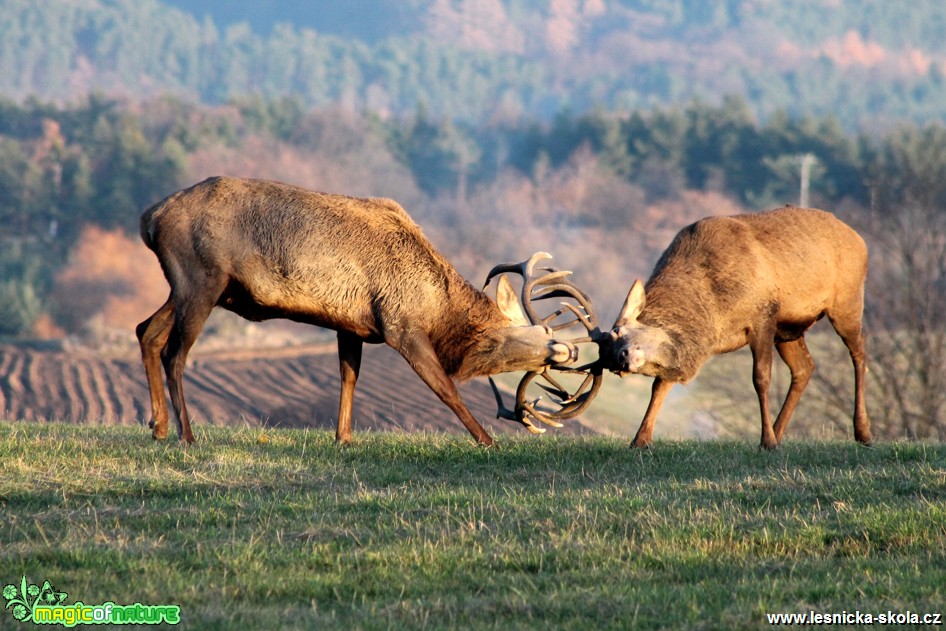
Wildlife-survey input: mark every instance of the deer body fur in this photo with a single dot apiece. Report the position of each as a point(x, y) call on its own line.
point(757, 279)
point(359, 266)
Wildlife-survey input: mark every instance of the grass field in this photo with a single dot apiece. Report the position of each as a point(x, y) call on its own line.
point(282, 529)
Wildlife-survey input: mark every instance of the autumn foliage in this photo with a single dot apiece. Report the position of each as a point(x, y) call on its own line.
point(110, 281)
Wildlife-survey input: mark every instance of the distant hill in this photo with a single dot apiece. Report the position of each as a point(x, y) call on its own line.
point(869, 63)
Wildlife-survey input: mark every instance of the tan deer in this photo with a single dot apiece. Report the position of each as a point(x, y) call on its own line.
point(359, 266)
point(759, 279)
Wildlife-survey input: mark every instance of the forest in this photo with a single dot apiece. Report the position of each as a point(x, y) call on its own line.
point(870, 63)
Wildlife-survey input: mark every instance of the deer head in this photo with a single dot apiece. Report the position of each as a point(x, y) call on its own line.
point(633, 347)
point(522, 345)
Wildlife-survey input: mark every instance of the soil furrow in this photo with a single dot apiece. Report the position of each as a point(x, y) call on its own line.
point(84, 385)
point(100, 395)
point(13, 386)
point(72, 408)
point(290, 389)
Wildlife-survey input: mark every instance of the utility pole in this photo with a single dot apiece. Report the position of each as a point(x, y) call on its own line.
point(808, 160)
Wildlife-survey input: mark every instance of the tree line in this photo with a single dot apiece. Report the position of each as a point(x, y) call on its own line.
point(101, 160)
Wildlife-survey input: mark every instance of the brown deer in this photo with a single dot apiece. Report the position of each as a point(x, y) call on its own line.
point(756, 279)
point(359, 266)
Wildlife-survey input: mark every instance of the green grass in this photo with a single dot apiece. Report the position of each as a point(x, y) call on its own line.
point(283, 529)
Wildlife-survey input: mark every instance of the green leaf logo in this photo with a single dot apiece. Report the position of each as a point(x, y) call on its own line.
point(26, 597)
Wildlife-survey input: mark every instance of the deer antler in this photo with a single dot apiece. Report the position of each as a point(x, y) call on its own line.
point(551, 284)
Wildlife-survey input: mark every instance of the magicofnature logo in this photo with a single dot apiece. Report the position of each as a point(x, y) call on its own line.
point(44, 605)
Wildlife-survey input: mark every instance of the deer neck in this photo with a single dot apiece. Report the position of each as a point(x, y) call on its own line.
point(682, 314)
point(462, 335)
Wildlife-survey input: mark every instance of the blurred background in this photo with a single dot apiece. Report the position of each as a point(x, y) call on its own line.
point(593, 129)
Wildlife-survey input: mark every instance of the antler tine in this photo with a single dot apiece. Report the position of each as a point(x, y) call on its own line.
point(540, 416)
point(512, 415)
point(587, 319)
point(503, 411)
point(551, 275)
point(570, 405)
point(583, 300)
point(523, 268)
point(529, 281)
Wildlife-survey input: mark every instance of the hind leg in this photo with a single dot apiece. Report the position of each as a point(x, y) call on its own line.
point(796, 356)
point(849, 328)
point(349, 361)
point(152, 337)
point(190, 317)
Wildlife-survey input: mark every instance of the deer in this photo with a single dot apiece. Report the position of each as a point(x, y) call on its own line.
point(758, 279)
point(358, 266)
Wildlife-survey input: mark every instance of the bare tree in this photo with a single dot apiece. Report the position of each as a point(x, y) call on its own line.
point(906, 315)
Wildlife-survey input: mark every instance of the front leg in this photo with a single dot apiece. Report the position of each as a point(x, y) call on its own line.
point(420, 354)
point(658, 393)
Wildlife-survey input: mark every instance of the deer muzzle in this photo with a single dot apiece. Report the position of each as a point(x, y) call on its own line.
point(564, 353)
point(630, 359)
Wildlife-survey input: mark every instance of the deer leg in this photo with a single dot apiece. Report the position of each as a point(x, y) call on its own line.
point(850, 331)
point(152, 337)
point(189, 320)
point(349, 360)
point(796, 356)
point(761, 347)
point(658, 393)
point(420, 354)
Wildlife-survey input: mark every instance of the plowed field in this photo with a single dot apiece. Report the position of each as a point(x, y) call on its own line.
point(295, 387)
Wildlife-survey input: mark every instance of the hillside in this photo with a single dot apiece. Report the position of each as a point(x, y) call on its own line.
point(868, 63)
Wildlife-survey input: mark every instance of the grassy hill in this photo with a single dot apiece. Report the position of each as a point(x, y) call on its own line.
point(280, 529)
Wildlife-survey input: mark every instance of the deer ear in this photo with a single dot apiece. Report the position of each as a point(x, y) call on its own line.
point(633, 305)
point(509, 303)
